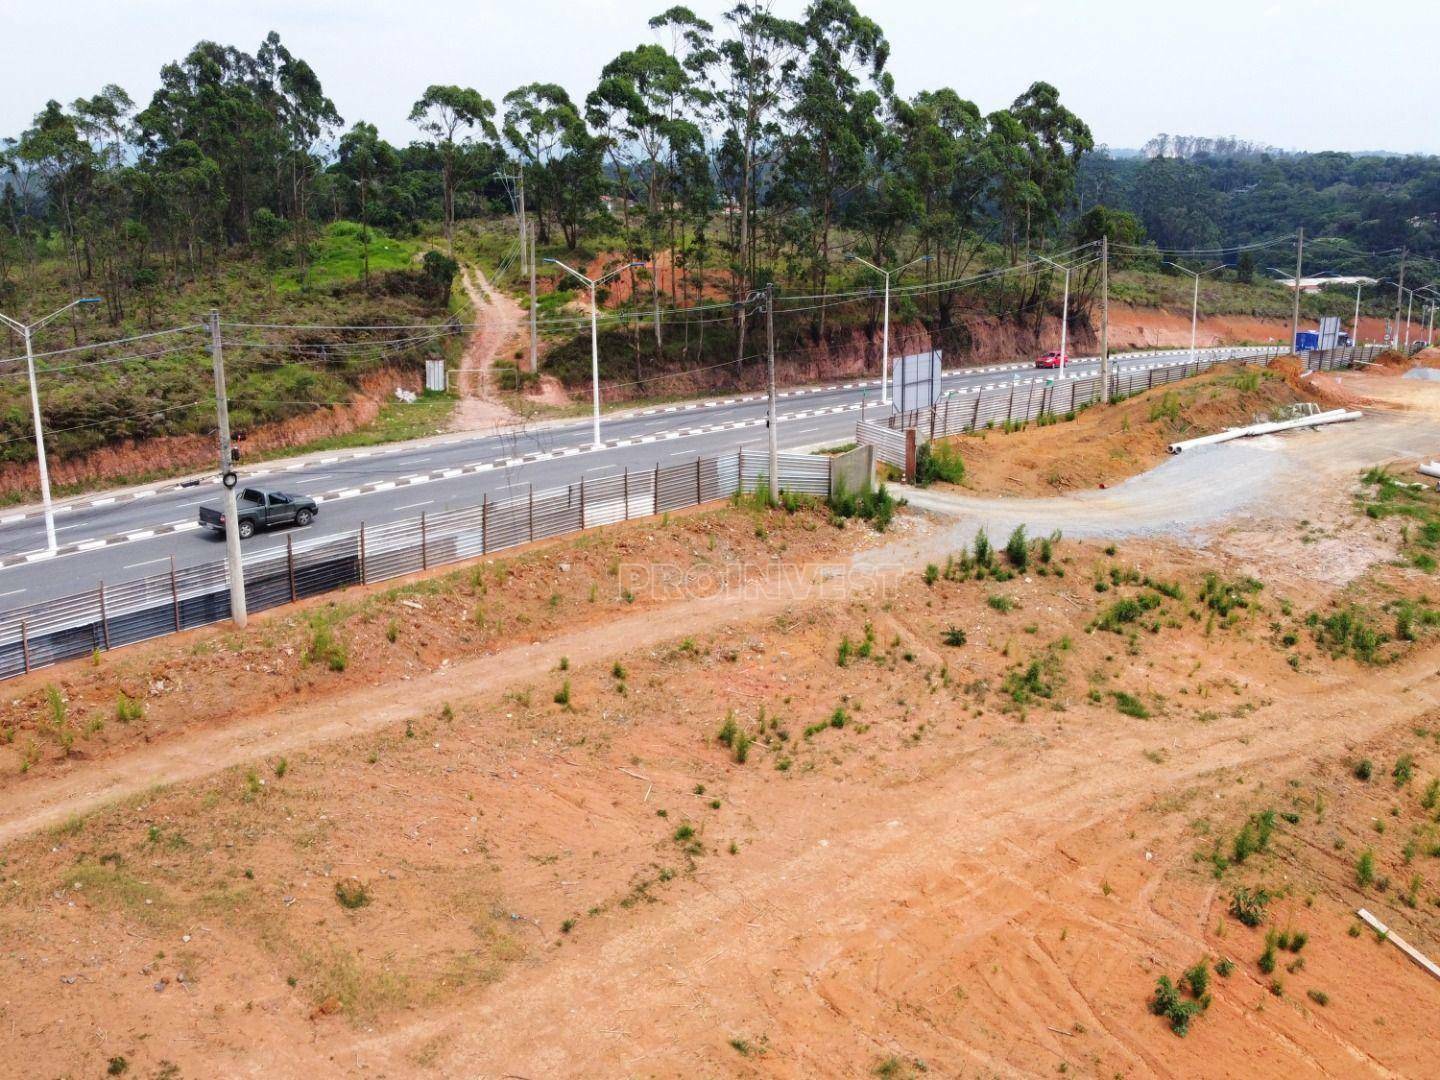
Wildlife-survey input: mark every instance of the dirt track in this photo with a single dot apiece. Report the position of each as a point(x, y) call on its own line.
point(942, 883)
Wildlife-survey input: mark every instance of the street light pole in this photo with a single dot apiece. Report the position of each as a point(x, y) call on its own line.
point(885, 340)
point(593, 284)
point(27, 334)
point(1064, 312)
point(1195, 300)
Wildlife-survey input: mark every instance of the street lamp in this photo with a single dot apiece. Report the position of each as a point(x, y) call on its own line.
point(593, 284)
point(1064, 312)
point(885, 346)
point(27, 332)
point(1195, 300)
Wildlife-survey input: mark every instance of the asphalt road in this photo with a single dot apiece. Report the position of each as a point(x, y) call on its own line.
point(135, 533)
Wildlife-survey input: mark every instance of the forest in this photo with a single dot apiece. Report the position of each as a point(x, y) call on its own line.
point(723, 157)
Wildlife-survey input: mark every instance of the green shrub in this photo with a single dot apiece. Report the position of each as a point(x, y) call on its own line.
point(351, 893)
point(938, 461)
point(127, 709)
point(1365, 869)
point(1249, 905)
point(1017, 549)
point(1172, 1005)
point(1130, 705)
point(325, 647)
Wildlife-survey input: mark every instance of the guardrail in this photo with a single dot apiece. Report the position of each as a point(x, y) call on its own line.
point(112, 615)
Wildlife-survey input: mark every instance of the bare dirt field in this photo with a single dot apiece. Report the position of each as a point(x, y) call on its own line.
point(808, 801)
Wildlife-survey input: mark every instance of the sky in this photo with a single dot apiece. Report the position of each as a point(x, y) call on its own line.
point(1298, 74)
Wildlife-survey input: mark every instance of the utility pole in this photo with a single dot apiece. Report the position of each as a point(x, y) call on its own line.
point(1295, 310)
point(1400, 293)
point(1355, 324)
point(27, 334)
point(1409, 311)
point(520, 186)
point(1104, 319)
point(534, 342)
point(771, 420)
point(235, 568)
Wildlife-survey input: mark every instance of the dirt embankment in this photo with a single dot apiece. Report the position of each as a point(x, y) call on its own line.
point(898, 824)
point(123, 462)
point(1102, 446)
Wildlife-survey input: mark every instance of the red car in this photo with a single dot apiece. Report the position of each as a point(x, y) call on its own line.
point(1052, 359)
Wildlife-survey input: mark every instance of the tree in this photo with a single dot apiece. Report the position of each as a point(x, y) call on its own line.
point(562, 160)
point(441, 112)
point(366, 159)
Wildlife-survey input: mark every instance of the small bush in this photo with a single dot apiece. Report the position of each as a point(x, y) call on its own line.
point(1404, 770)
point(938, 461)
point(1001, 603)
point(562, 696)
point(953, 636)
point(1197, 979)
point(1364, 769)
point(1172, 1005)
point(1365, 869)
point(352, 893)
point(1017, 549)
point(1249, 905)
point(1318, 996)
point(127, 709)
point(1130, 705)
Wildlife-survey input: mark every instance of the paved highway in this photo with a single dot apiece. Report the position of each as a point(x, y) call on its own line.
point(135, 533)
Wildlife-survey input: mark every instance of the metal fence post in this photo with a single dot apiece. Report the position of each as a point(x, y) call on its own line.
point(582, 502)
point(484, 524)
point(362, 553)
point(975, 423)
point(290, 564)
point(175, 592)
point(104, 619)
point(697, 481)
point(532, 512)
point(655, 490)
point(424, 547)
point(626, 492)
point(25, 644)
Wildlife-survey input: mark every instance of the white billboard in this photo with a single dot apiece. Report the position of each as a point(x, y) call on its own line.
point(917, 381)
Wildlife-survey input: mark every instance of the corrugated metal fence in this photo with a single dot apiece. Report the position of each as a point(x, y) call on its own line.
point(973, 408)
point(112, 615)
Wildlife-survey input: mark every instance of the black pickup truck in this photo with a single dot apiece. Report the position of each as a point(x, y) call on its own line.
point(257, 509)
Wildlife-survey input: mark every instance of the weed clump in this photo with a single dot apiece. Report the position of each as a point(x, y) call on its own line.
point(351, 893)
point(1249, 905)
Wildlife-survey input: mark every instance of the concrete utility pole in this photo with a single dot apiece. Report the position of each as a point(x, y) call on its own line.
point(593, 284)
point(235, 567)
point(1355, 324)
point(1400, 293)
point(1295, 310)
point(1104, 319)
point(885, 341)
point(27, 334)
point(1409, 311)
point(534, 337)
point(771, 420)
point(524, 239)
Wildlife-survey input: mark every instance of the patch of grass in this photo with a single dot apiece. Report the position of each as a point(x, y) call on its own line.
point(1129, 705)
point(127, 709)
point(562, 696)
point(1253, 837)
point(351, 893)
point(953, 636)
point(325, 646)
point(938, 462)
point(1365, 869)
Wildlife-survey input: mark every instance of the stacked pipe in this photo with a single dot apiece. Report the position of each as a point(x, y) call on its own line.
point(1334, 416)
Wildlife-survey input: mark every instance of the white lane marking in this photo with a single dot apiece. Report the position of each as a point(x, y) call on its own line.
point(412, 506)
point(12, 592)
point(77, 525)
point(147, 562)
point(312, 479)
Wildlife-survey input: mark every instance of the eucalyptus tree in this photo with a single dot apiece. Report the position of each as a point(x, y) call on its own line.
point(443, 113)
point(367, 160)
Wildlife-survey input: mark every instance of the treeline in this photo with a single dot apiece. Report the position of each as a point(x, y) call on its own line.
point(760, 149)
point(1188, 198)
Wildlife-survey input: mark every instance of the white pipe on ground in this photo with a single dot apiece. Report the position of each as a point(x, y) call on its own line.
point(1431, 468)
point(1335, 416)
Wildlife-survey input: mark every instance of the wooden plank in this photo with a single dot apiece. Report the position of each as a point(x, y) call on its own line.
point(1400, 943)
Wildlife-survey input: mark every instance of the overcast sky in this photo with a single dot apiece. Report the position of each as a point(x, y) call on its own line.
point(1300, 74)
